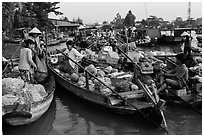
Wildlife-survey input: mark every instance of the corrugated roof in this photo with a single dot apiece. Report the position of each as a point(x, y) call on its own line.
point(62, 23)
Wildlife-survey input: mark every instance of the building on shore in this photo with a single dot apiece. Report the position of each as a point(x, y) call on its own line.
point(64, 26)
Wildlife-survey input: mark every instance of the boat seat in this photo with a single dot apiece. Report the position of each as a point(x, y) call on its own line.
point(128, 95)
point(132, 94)
point(179, 92)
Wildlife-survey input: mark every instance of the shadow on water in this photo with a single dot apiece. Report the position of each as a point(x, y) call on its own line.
point(106, 121)
point(42, 126)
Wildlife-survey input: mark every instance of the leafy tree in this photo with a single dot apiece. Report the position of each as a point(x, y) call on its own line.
point(105, 22)
point(129, 19)
point(66, 19)
point(79, 20)
point(118, 21)
point(153, 21)
point(7, 15)
point(34, 14)
point(178, 22)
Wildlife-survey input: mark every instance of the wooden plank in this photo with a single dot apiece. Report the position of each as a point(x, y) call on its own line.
point(131, 92)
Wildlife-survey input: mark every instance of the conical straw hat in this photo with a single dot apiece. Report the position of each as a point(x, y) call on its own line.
point(35, 31)
point(184, 34)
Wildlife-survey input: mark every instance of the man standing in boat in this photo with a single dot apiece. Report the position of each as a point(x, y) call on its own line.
point(73, 54)
point(187, 43)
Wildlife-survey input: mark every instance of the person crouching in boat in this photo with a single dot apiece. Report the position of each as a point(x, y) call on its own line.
point(73, 54)
point(177, 77)
point(26, 63)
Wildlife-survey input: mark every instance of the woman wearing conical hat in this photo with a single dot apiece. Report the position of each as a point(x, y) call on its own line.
point(39, 56)
point(187, 42)
point(34, 34)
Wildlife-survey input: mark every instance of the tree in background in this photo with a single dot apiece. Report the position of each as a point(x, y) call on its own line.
point(129, 19)
point(178, 22)
point(7, 15)
point(78, 20)
point(118, 22)
point(66, 19)
point(105, 22)
point(153, 21)
point(28, 14)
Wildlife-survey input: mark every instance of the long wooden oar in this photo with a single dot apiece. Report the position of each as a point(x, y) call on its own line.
point(155, 123)
point(164, 120)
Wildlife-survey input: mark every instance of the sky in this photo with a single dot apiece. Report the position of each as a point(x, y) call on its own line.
point(97, 12)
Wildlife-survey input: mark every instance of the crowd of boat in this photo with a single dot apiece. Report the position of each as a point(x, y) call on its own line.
point(114, 73)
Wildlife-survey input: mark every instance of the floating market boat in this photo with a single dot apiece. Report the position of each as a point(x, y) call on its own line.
point(125, 102)
point(172, 36)
point(193, 98)
point(54, 42)
point(20, 114)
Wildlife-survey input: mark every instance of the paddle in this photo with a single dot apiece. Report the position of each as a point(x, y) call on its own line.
point(156, 124)
point(144, 88)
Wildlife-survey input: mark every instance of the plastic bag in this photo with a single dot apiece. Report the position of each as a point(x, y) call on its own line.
point(12, 85)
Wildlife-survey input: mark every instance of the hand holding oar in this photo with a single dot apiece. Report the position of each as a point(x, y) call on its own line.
point(156, 124)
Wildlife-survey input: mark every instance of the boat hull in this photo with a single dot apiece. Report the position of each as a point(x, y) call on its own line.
point(36, 111)
point(194, 99)
point(102, 101)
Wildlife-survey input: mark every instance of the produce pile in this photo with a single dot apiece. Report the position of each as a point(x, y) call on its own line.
point(98, 43)
point(15, 90)
point(107, 75)
point(89, 54)
point(197, 69)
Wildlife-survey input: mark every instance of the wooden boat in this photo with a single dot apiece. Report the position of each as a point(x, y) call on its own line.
point(13, 114)
point(144, 44)
point(174, 37)
point(53, 42)
point(125, 103)
point(194, 98)
point(63, 40)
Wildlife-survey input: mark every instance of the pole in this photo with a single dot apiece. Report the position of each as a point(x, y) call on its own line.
point(46, 38)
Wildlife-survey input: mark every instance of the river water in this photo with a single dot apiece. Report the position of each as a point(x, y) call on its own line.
point(72, 116)
point(69, 115)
